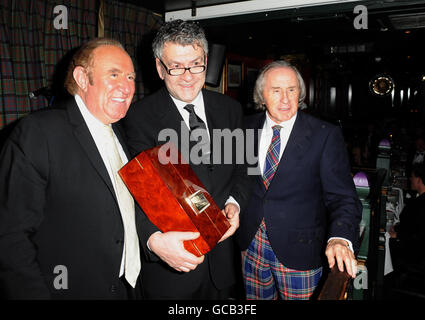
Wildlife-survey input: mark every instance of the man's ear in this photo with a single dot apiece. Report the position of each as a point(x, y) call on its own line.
point(81, 77)
point(160, 69)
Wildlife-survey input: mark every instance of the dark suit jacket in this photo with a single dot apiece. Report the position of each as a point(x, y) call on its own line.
point(143, 124)
point(311, 197)
point(411, 232)
point(58, 207)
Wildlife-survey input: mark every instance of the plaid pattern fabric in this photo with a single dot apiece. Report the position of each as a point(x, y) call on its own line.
point(33, 51)
point(272, 157)
point(31, 48)
point(265, 278)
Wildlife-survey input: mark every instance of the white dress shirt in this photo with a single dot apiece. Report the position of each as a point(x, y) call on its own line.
point(199, 108)
point(95, 128)
point(267, 135)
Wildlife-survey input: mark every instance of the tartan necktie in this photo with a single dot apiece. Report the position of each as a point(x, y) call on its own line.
point(272, 157)
point(126, 205)
point(196, 123)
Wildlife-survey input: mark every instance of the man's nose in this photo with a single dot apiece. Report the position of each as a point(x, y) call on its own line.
point(284, 97)
point(126, 86)
point(187, 75)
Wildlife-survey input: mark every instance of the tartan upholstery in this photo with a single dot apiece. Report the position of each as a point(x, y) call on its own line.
point(31, 47)
point(265, 278)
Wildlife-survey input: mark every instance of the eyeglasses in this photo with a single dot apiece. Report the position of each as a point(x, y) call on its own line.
point(180, 71)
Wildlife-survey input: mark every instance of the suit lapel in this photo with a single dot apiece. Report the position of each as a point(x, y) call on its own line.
point(212, 113)
point(257, 126)
point(299, 140)
point(298, 144)
point(297, 147)
point(168, 114)
point(84, 137)
point(171, 119)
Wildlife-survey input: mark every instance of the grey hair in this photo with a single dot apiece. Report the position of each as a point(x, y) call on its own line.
point(179, 32)
point(259, 83)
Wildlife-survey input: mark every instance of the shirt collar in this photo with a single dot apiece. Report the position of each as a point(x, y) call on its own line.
point(197, 102)
point(269, 123)
point(91, 120)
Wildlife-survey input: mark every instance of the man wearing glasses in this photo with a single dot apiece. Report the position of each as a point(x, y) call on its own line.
point(169, 271)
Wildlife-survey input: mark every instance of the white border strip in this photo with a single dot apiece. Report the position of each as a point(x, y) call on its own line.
point(245, 7)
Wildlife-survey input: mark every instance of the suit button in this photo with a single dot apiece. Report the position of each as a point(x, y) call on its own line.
point(113, 288)
point(119, 241)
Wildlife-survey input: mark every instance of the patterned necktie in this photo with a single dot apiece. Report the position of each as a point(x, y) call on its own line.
point(126, 204)
point(272, 157)
point(197, 123)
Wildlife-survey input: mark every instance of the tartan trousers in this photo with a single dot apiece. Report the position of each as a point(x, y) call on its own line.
point(265, 278)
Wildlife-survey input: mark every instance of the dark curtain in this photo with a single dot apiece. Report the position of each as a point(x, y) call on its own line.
point(31, 49)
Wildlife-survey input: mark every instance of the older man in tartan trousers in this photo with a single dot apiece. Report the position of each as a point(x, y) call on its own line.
point(304, 196)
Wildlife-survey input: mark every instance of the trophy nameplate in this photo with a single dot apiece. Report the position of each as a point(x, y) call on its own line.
point(198, 202)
